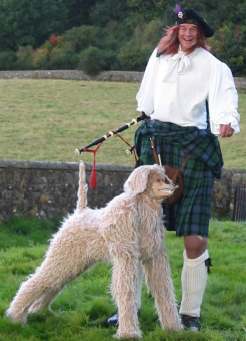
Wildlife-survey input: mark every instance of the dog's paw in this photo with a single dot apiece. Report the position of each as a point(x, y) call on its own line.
point(128, 335)
point(16, 318)
point(174, 327)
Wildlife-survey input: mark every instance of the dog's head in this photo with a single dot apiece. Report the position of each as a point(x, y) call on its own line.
point(151, 179)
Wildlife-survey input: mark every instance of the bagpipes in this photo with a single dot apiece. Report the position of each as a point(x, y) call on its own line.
point(97, 143)
point(174, 174)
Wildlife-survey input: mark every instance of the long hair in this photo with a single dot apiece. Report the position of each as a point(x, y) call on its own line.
point(169, 43)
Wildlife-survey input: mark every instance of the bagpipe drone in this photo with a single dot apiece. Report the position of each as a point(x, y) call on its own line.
point(97, 143)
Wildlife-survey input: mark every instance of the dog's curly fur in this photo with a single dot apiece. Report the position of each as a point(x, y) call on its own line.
point(128, 232)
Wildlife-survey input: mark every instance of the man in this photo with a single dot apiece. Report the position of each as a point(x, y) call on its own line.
point(190, 97)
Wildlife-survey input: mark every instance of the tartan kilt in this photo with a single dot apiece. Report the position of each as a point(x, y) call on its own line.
point(190, 216)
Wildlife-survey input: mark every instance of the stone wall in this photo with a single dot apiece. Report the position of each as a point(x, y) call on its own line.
point(49, 189)
point(116, 76)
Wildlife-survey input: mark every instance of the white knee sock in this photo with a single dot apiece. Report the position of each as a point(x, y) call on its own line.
point(194, 280)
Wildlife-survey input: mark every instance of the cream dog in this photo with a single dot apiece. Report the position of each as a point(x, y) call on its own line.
point(128, 232)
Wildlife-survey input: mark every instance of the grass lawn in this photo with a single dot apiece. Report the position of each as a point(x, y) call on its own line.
point(79, 310)
point(48, 119)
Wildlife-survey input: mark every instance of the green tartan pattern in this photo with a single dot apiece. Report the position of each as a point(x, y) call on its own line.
point(191, 215)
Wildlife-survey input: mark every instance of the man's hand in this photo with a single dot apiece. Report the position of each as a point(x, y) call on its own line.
point(226, 130)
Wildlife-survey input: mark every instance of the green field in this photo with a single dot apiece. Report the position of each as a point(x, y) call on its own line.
point(78, 312)
point(48, 119)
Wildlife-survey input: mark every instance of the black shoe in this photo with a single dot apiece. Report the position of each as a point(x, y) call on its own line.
point(112, 321)
point(191, 323)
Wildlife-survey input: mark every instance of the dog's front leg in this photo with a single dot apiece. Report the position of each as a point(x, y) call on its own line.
point(159, 281)
point(124, 290)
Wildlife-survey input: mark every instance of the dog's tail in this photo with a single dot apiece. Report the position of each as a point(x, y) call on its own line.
point(82, 190)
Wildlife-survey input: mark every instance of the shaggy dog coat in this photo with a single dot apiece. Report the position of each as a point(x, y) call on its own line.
point(128, 232)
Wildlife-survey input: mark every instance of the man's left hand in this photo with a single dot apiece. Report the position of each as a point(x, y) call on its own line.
point(226, 130)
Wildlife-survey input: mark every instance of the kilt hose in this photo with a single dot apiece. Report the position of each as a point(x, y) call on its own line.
point(201, 149)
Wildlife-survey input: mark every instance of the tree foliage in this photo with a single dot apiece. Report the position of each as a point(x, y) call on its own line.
point(113, 34)
point(30, 22)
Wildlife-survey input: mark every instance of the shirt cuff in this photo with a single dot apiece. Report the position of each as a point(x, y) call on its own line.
point(226, 118)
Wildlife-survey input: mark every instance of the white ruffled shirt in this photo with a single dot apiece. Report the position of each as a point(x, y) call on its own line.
point(174, 89)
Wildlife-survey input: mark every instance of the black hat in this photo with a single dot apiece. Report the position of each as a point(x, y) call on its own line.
point(189, 16)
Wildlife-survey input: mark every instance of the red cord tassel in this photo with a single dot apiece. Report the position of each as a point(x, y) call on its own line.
point(93, 175)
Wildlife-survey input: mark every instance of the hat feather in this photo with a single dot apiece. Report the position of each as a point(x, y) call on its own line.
point(178, 8)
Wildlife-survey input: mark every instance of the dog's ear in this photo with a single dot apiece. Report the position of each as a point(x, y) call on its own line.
point(138, 180)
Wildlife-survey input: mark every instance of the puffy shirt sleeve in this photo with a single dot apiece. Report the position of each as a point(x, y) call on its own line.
point(222, 98)
point(145, 94)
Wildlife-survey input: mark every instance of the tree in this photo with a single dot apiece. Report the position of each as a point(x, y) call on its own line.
point(108, 10)
point(78, 12)
point(121, 32)
point(30, 22)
